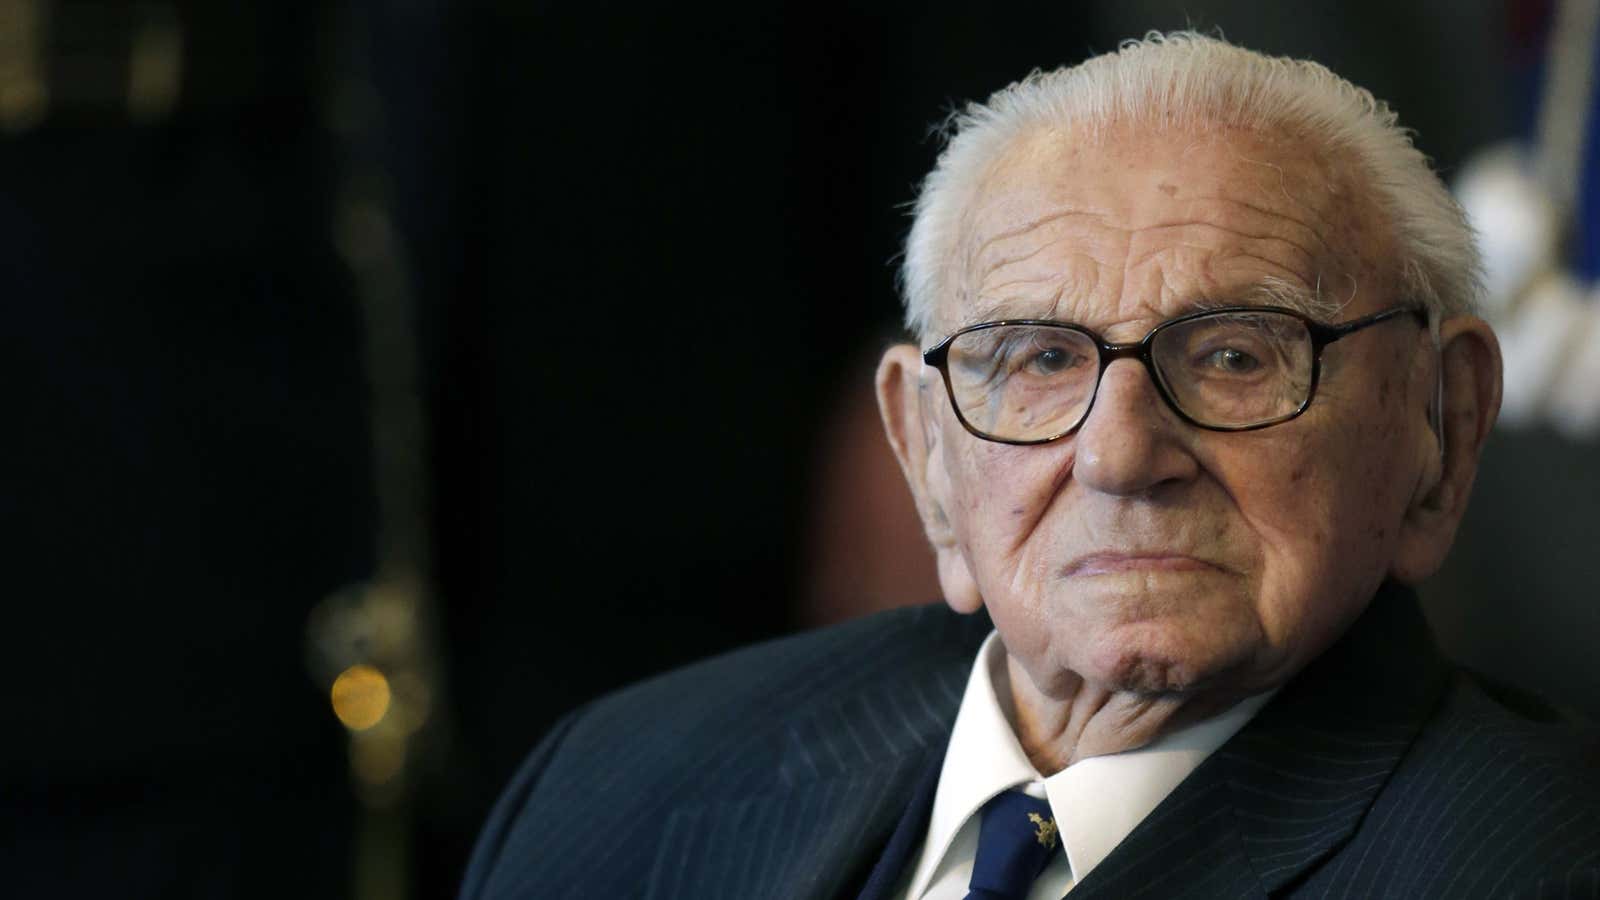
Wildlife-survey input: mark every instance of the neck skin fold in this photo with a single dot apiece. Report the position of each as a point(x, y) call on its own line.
point(1056, 732)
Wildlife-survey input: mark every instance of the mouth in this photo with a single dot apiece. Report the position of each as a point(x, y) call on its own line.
point(1124, 563)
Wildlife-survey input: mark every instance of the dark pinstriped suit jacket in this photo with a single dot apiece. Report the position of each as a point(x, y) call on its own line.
point(782, 771)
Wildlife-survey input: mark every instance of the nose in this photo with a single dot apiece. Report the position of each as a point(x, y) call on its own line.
point(1131, 441)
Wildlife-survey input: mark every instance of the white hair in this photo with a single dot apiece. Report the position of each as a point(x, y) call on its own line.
point(1189, 80)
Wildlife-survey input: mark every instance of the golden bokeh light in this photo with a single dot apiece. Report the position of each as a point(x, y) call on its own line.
point(361, 697)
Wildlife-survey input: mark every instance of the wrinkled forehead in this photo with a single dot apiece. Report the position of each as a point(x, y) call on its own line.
point(1141, 222)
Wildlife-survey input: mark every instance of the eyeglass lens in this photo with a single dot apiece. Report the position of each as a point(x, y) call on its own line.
point(1227, 370)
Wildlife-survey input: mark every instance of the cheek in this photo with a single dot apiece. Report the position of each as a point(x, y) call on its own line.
point(1346, 463)
point(1324, 505)
point(1002, 497)
point(1381, 462)
point(1002, 490)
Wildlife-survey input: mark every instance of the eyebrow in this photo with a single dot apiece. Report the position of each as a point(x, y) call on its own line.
point(1311, 303)
point(1267, 292)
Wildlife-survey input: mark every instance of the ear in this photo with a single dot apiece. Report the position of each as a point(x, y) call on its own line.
point(907, 400)
point(1469, 364)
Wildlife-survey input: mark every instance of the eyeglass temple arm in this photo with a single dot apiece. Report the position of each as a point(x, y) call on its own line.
point(1327, 334)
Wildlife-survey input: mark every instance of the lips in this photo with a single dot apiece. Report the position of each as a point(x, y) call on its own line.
point(1124, 562)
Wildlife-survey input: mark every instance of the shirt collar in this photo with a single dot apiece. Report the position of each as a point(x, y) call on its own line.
point(1097, 801)
point(982, 760)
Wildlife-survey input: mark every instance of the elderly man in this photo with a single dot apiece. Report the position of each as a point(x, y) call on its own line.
point(1198, 394)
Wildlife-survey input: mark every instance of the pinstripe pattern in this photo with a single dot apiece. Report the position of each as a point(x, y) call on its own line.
point(781, 771)
point(761, 770)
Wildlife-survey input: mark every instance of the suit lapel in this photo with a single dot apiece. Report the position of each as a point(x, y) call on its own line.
point(1292, 785)
point(841, 783)
point(907, 837)
point(1188, 846)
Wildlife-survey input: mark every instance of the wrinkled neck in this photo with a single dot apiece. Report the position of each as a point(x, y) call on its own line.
point(1057, 731)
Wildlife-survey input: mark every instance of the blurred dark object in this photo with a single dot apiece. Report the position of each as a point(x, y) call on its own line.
point(867, 549)
point(1516, 598)
point(188, 458)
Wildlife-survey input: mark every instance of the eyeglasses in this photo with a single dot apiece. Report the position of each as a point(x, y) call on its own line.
point(1238, 368)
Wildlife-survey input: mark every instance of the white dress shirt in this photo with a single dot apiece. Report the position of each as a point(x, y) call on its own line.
point(1096, 801)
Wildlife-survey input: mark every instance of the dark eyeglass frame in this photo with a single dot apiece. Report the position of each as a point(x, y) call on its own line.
point(1322, 334)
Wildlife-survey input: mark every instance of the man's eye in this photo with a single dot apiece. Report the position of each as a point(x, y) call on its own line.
point(1231, 361)
point(1052, 360)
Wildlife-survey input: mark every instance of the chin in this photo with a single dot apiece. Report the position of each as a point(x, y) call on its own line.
point(1151, 658)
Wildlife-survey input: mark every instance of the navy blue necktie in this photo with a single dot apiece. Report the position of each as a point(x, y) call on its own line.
point(1015, 843)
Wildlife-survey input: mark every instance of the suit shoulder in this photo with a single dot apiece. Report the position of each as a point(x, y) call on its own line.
point(1497, 795)
point(776, 677)
point(728, 728)
point(1485, 717)
point(738, 708)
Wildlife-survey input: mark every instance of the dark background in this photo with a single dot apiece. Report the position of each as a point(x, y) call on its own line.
point(648, 252)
